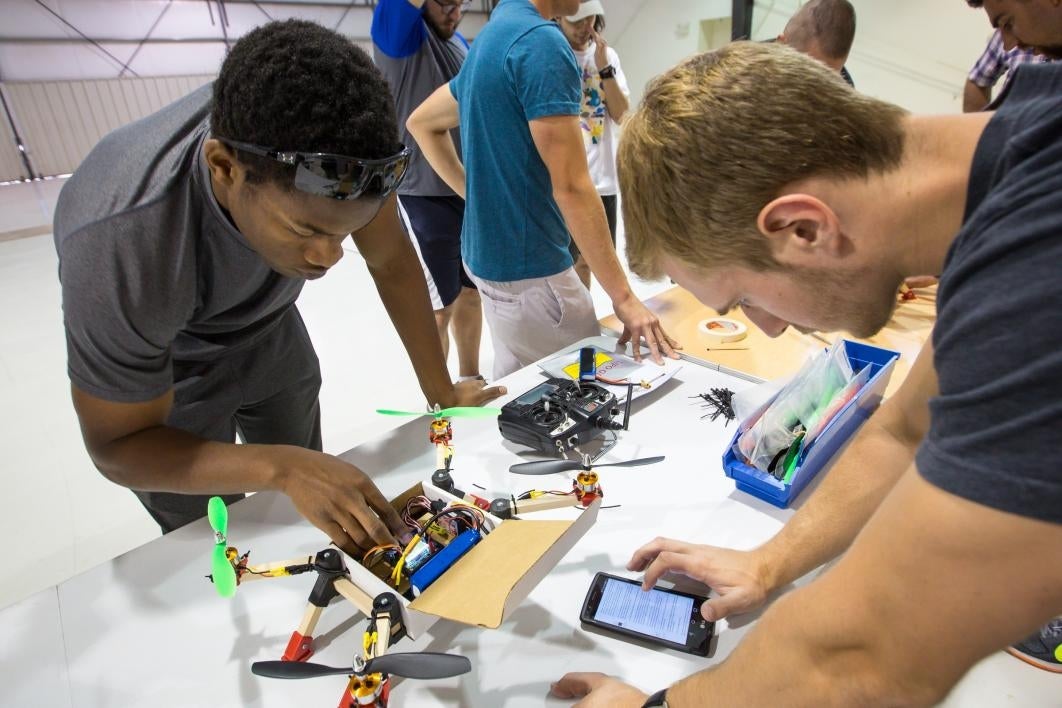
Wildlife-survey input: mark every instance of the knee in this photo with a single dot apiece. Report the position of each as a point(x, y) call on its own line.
point(469, 298)
point(443, 316)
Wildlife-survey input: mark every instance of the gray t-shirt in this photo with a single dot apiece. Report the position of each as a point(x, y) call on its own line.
point(995, 426)
point(151, 268)
point(415, 62)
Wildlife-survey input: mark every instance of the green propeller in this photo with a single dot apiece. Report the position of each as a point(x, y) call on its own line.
point(458, 412)
point(222, 572)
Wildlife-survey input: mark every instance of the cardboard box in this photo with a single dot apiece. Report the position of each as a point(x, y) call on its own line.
point(491, 580)
point(815, 456)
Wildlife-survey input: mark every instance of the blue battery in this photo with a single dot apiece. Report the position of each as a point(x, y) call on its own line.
point(441, 561)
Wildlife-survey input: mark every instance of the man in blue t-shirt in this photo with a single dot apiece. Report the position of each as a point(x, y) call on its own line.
point(517, 100)
point(417, 48)
point(947, 505)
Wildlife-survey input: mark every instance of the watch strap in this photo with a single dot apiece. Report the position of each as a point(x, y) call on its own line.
point(608, 72)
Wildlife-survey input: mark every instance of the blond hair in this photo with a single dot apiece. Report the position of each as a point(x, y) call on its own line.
point(716, 138)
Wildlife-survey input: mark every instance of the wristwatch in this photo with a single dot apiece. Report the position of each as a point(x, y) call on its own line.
point(657, 700)
point(609, 72)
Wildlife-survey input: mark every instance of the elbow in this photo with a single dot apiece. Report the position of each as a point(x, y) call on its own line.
point(854, 662)
point(112, 473)
point(413, 126)
point(859, 675)
point(567, 192)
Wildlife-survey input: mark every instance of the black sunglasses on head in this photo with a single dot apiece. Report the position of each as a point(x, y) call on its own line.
point(337, 176)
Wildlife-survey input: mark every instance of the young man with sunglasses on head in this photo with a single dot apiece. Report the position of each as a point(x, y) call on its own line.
point(417, 48)
point(184, 240)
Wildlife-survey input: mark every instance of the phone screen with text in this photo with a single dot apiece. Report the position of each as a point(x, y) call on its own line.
point(655, 613)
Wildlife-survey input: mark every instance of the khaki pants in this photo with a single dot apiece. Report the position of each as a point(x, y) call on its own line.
point(531, 318)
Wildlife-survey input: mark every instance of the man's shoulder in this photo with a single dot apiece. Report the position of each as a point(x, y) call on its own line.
point(514, 24)
point(136, 166)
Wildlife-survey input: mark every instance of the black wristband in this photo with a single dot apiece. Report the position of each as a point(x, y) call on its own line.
point(609, 72)
point(657, 700)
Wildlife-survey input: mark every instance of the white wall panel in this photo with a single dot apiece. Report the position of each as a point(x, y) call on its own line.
point(60, 121)
point(11, 165)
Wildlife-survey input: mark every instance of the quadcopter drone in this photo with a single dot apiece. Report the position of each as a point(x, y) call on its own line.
point(437, 528)
point(369, 682)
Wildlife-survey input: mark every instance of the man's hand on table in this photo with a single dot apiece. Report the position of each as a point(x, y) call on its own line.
point(638, 324)
point(476, 392)
point(337, 498)
point(738, 577)
point(597, 689)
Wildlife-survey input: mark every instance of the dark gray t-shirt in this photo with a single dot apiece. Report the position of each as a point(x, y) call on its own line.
point(995, 435)
point(152, 271)
point(415, 62)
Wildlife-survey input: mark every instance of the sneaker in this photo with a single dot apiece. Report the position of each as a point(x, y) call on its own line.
point(1043, 649)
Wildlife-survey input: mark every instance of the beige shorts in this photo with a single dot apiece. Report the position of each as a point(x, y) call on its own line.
point(531, 318)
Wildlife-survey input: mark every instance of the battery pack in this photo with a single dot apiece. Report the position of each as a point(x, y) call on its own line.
point(441, 561)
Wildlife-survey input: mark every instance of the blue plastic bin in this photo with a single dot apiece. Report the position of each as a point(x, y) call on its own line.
point(815, 456)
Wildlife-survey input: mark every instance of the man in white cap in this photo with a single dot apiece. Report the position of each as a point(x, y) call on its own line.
point(604, 102)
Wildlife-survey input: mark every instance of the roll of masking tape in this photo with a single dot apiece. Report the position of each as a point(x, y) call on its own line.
point(722, 330)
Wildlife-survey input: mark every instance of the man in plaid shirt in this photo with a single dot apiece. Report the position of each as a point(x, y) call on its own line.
point(1000, 57)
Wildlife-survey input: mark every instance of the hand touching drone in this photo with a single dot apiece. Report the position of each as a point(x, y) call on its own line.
point(337, 498)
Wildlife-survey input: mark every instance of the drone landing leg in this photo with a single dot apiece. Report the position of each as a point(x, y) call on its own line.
point(300, 646)
point(329, 567)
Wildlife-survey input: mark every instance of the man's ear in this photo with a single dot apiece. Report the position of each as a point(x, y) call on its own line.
point(801, 229)
point(225, 170)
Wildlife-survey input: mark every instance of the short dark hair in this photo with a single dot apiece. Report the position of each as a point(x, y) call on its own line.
point(975, 3)
point(831, 23)
point(295, 85)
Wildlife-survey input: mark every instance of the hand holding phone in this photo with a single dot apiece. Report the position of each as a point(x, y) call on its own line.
point(668, 618)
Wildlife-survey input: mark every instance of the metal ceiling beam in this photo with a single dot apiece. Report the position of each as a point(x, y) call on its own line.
point(126, 40)
point(125, 67)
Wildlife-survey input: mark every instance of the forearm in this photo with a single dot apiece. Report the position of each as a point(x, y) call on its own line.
point(164, 459)
point(974, 97)
point(439, 150)
point(616, 103)
point(405, 297)
point(816, 658)
point(430, 126)
point(852, 490)
point(583, 212)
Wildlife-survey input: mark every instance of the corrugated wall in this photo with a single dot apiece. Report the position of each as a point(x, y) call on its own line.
point(60, 121)
point(11, 166)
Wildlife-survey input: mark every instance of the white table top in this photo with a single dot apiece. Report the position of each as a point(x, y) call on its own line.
point(146, 629)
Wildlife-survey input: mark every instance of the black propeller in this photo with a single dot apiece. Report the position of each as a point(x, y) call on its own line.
point(414, 665)
point(554, 466)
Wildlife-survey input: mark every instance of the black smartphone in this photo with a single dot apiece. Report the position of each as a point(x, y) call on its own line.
point(587, 364)
point(668, 618)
